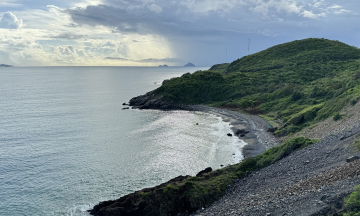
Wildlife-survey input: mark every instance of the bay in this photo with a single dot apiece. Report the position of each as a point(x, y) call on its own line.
point(66, 144)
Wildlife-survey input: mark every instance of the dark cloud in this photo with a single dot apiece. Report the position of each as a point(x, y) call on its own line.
point(68, 36)
point(118, 18)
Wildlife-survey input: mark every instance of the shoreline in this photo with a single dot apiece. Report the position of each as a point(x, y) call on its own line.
point(257, 139)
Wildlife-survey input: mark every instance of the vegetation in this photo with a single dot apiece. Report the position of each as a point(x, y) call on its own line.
point(297, 83)
point(193, 193)
point(352, 203)
point(337, 116)
point(356, 144)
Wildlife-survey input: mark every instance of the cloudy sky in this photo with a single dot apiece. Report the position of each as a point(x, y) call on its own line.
point(154, 32)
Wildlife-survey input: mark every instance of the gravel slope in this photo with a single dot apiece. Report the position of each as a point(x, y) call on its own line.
point(308, 182)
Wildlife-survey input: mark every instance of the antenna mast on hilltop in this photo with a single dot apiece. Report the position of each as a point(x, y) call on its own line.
point(249, 48)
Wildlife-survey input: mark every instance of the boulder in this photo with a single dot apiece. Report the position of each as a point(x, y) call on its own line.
point(229, 134)
point(207, 170)
point(272, 130)
point(351, 159)
point(241, 132)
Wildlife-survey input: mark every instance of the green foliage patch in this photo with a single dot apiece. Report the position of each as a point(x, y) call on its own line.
point(352, 203)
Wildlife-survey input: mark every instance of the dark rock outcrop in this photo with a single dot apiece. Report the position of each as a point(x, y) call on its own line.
point(351, 159)
point(241, 132)
point(272, 129)
point(207, 170)
point(151, 101)
point(146, 202)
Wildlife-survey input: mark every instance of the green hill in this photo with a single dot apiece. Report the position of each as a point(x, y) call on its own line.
point(293, 85)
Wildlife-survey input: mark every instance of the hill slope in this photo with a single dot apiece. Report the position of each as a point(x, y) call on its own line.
point(292, 85)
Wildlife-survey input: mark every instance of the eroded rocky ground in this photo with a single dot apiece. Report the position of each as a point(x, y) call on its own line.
point(350, 117)
point(308, 182)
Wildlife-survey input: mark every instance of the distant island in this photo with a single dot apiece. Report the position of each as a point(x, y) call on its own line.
point(189, 65)
point(163, 65)
point(5, 65)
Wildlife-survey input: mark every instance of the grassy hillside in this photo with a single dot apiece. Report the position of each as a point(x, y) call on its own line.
point(295, 84)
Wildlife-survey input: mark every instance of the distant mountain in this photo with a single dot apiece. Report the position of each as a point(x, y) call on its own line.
point(163, 65)
point(5, 65)
point(189, 65)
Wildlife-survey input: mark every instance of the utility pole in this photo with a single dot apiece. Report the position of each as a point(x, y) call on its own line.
point(249, 48)
point(226, 56)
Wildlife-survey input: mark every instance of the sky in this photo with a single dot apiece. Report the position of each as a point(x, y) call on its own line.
point(157, 32)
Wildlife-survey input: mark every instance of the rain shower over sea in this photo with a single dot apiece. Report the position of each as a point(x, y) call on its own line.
point(66, 144)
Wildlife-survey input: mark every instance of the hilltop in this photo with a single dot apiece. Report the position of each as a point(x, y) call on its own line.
point(293, 85)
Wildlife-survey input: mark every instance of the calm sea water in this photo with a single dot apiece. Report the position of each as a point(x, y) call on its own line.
point(66, 144)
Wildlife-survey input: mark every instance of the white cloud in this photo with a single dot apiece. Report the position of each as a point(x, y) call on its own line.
point(155, 8)
point(10, 21)
point(310, 14)
point(9, 3)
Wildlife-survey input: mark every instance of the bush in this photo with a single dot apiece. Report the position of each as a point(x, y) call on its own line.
point(296, 96)
point(356, 144)
point(352, 203)
point(353, 102)
point(337, 116)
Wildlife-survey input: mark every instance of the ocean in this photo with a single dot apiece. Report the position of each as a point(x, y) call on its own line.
point(66, 144)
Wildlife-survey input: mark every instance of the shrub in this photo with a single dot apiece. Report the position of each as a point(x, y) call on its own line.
point(352, 203)
point(296, 96)
point(337, 116)
point(353, 102)
point(356, 144)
